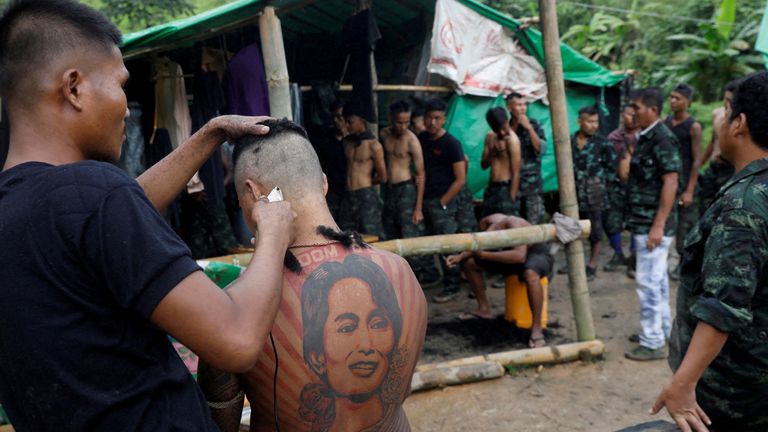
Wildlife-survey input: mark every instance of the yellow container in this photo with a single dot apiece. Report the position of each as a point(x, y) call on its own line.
point(517, 308)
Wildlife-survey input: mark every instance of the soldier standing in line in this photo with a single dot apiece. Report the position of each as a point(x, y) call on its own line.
point(688, 133)
point(718, 345)
point(532, 142)
point(652, 171)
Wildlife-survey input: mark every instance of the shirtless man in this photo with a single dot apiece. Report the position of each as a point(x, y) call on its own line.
point(719, 170)
point(403, 215)
point(365, 168)
point(351, 321)
point(501, 152)
point(530, 263)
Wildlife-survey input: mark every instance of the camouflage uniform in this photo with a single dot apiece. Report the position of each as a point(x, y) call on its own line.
point(724, 283)
point(443, 221)
point(496, 199)
point(617, 190)
point(465, 211)
point(399, 202)
point(711, 180)
point(361, 211)
point(531, 202)
point(590, 165)
point(656, 153)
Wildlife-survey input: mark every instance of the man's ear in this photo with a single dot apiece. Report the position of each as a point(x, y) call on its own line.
point(325, 184)
point(317, 363)
point(255, 189)
point(739, 126)
point(72, 88)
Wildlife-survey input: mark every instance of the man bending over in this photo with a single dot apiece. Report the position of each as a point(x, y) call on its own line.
point(530, 263)
point(351, 321)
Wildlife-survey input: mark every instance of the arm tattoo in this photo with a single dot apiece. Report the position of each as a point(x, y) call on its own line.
point(224, 394)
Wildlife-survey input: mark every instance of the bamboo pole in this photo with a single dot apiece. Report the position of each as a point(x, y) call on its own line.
point(450, 243)
point(392, 87)
point(452, 375)
point(454, 243)
point(275, 66)
point(577, 277)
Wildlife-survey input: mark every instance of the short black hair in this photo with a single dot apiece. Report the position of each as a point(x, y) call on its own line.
point(32, 32)
point(514, 95)
point(436, 105)
point(496, 117)
point(276, 127)
point(685, 90)
point(749, 98)
point(731, 86)
point(400, 106)
point(588, 110)
point(650, 97)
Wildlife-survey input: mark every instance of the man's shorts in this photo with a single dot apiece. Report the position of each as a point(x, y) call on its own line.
point(596, 218)
point(539, 260)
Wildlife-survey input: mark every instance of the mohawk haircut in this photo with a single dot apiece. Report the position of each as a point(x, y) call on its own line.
point(283, 157)
point(35, 32)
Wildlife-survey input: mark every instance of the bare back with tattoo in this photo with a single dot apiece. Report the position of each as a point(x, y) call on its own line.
point(348, 334)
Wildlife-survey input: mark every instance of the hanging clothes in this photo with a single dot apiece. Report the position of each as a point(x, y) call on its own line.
point(172, 109)
point(207, 103)
point(132, 154)
point(296, 110)
point(245, 84)
point(360, 36)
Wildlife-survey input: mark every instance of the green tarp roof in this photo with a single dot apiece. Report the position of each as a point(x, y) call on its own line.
point(302, 17)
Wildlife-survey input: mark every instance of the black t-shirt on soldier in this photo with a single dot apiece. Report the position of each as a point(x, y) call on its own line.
point(85, 259)
point(439, 157)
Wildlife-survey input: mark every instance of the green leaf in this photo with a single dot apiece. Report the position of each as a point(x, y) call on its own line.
point(725, 17)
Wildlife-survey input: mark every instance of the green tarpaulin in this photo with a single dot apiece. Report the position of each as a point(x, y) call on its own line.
point(466, 121)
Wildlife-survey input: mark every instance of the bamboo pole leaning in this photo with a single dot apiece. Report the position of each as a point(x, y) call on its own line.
point(577, 277)
point(275, 65)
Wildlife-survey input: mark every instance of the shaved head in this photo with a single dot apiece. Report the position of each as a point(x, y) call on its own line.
point(36, 34)
point(284, 158)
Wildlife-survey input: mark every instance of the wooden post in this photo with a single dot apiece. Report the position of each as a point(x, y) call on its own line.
point(569, 206)
point(275, 66)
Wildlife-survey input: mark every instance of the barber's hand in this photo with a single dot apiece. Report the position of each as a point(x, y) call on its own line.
point(655, 236)
point(229, 127)
point(686, 199)
point(274, 222)
point(682, 407)
point(418, 216)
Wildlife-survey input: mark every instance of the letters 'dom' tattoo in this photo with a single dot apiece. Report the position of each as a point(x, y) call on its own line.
point(352, 325)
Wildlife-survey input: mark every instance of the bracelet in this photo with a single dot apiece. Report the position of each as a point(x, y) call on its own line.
point(227, 404)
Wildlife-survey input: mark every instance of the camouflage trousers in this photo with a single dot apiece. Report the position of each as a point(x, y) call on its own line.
point(532, 208)
point(208, 229)
point(496, 199)
point(710, 182)
point(465, 211)
point(617, 208)
point(686, 219)
point(443, 221)
point(361, 212)
point(397, 218)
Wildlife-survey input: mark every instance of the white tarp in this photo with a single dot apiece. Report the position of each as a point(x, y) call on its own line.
point(480, 55)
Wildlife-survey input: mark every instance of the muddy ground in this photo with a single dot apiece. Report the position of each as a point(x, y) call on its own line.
point(606, 395)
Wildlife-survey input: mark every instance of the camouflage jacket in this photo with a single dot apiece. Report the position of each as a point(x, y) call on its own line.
point(593, 166)
point(656, 153)
point(530, 171)
point(725, 284)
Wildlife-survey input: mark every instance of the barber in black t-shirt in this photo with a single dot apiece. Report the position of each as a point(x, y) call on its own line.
point(92, 278)
point(445, 175)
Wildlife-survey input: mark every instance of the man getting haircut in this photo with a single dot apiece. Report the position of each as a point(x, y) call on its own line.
point(351, 322)
point(93, 280)
point(501, 152)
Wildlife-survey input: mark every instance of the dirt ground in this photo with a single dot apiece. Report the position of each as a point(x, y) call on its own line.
point(605, 395)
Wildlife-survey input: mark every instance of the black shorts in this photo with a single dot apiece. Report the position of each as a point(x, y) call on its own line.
point(596, 218)
point(539, 260)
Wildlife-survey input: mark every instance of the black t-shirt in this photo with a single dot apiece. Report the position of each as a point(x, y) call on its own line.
point(439, 157)
point(85, 259)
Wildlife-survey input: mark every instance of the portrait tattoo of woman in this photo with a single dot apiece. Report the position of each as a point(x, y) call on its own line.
point(352, 325)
